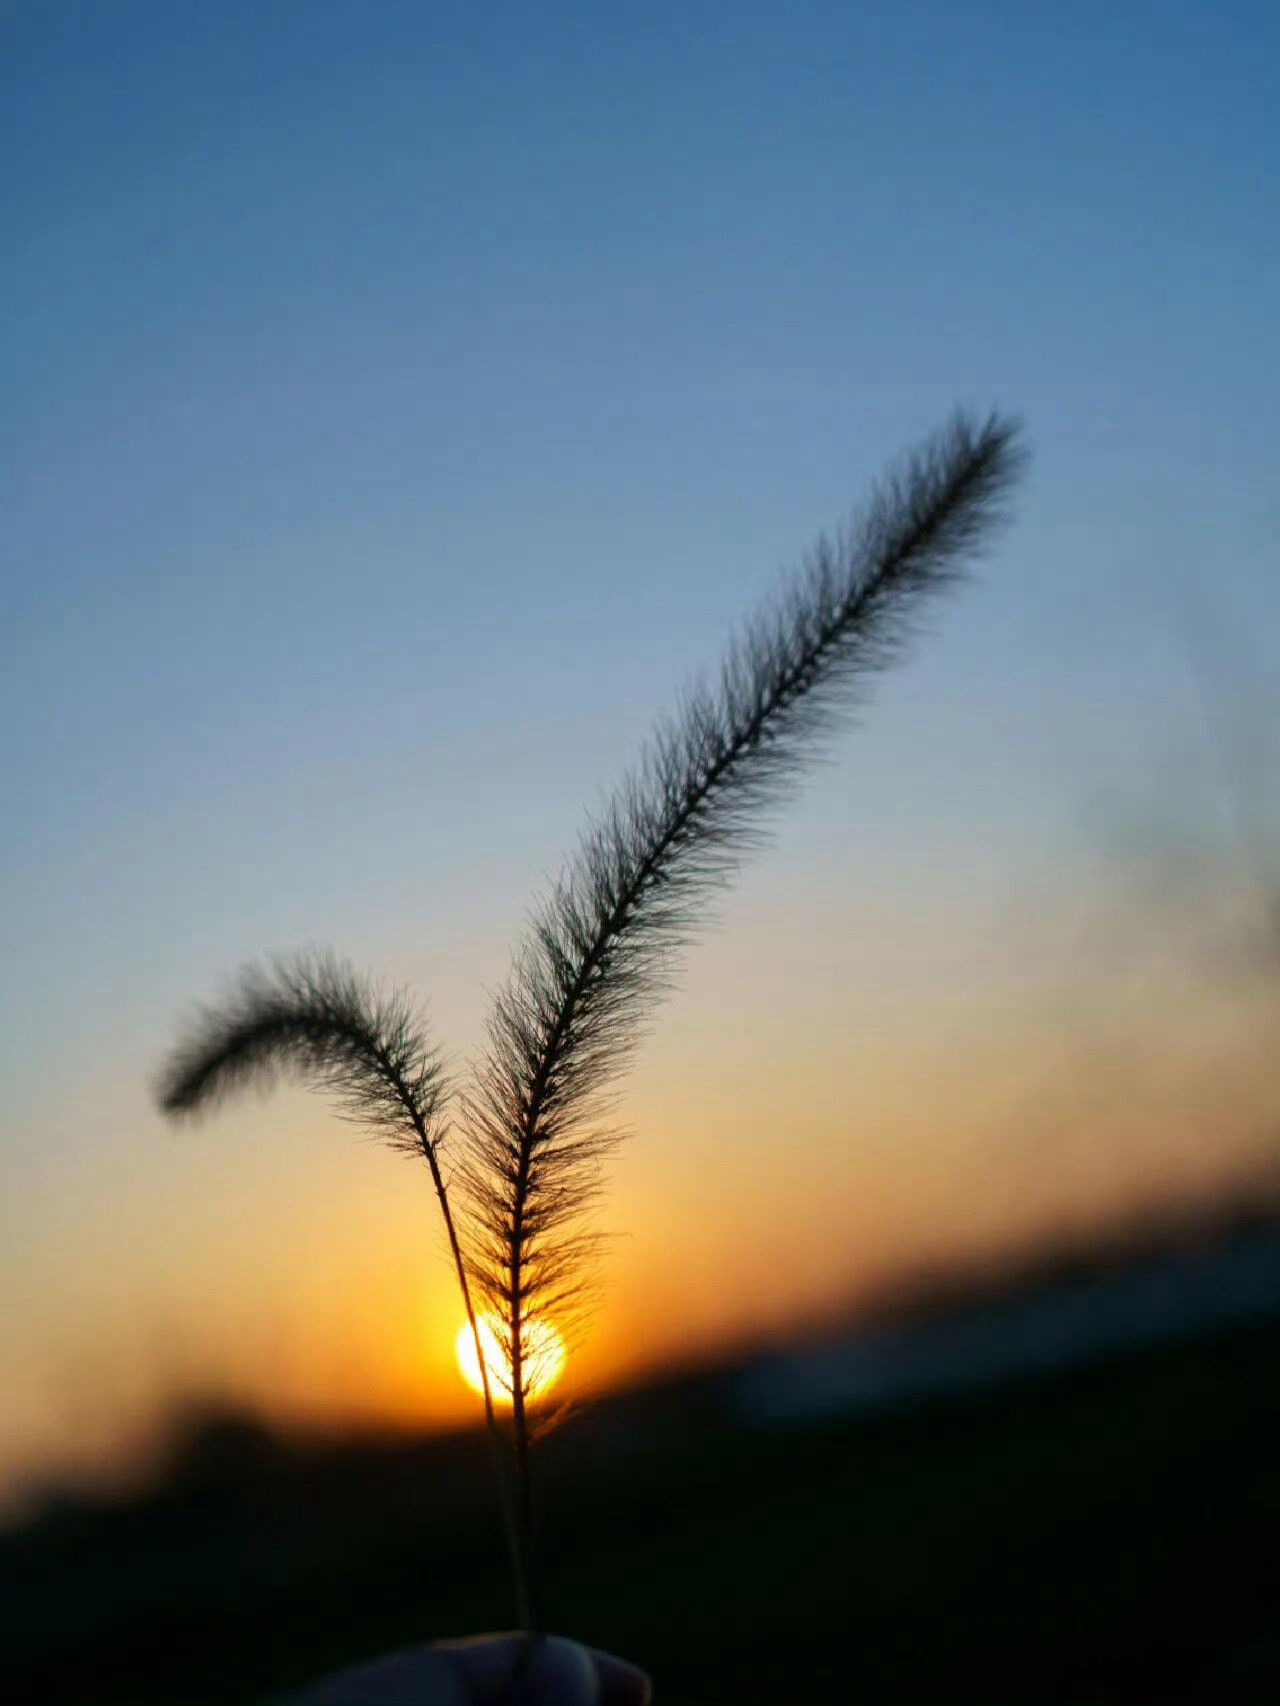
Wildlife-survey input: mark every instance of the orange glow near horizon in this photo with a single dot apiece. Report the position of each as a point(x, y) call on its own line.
point(544, 1355)
point(287, 1272)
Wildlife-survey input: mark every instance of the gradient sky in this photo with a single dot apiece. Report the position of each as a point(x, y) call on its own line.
point(399, 404)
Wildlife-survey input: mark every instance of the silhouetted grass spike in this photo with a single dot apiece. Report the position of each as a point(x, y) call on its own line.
point(314, 1018)
point(598, 951)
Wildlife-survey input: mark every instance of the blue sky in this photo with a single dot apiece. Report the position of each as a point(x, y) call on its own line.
point(401, 402)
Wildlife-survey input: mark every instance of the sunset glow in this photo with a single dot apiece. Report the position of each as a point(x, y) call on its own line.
point(544, 1354)
point(358, 554)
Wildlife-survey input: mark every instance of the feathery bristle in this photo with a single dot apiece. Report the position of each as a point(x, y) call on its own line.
point(312, 1017)
point(599, 949)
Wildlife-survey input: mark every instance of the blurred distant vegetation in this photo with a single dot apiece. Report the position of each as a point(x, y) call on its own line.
point(1101, 1534)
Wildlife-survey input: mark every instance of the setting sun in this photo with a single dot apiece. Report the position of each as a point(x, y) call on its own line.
point(544, 1354)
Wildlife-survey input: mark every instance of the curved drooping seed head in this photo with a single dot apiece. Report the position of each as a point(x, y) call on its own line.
point(313, 1018)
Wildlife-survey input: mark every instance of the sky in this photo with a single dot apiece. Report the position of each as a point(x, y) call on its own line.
point(400, 404)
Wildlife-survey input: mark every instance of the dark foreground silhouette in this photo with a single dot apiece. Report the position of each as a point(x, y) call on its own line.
point(1105, 1532)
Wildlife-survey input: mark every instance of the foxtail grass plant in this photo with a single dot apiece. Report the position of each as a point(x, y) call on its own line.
point(533, 1121)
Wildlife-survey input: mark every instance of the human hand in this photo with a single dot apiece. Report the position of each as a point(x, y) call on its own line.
point(482, 1671)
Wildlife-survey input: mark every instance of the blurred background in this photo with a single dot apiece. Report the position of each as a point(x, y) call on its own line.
point(401, 404)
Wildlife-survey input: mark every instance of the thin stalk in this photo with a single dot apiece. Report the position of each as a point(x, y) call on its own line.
point(520, 1423)
point(520, 1572)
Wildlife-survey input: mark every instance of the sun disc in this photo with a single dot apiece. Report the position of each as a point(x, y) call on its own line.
point(544, 1356)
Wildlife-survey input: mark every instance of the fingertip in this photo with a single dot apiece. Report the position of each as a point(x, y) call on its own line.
point(561, 1673)
point(619, 1683)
